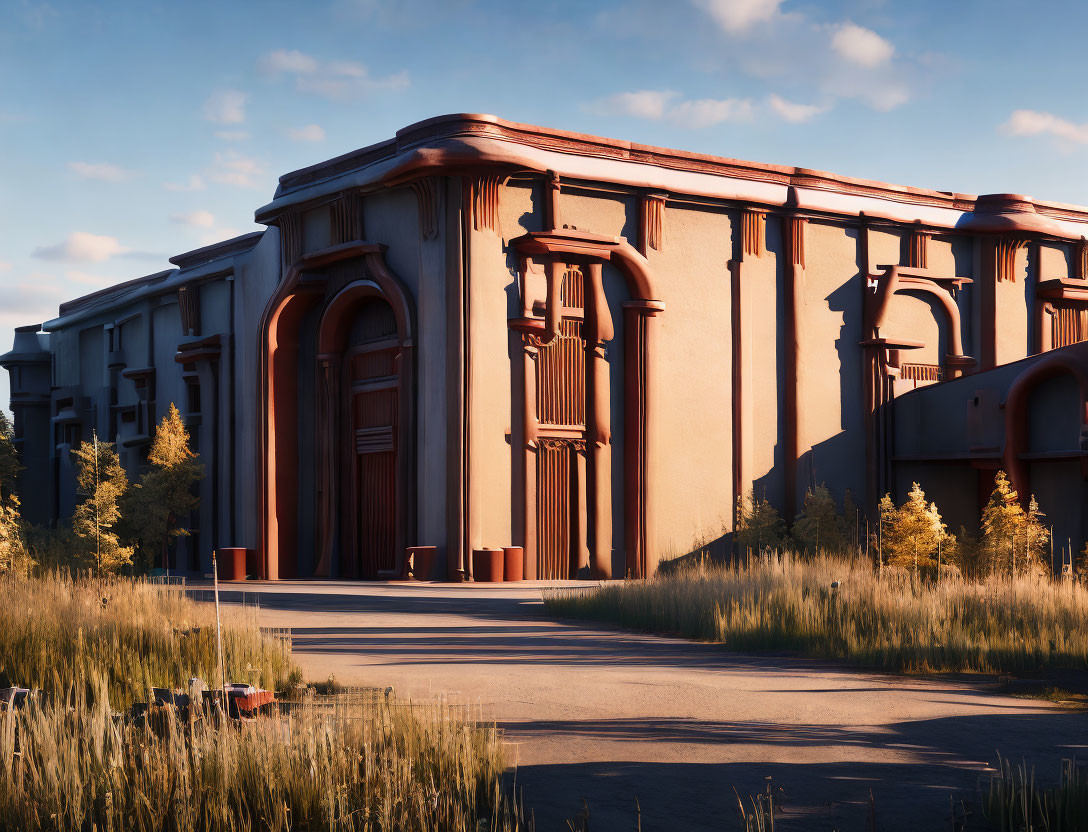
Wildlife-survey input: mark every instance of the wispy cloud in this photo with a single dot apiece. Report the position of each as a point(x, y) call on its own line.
point(82, 247)
point(218, 234)
point(861, 46)
point(226, 107)
point(658, 105)
point(737, 16)
point(1037, 123)
point(793, 112)
point(5, 266)
point(330, 79)
point(88, 279)
point(232, 168)
point(35, 296)
point(232, 135)
point(309, 133)
point(195, 182)
point(194, 219)
point(101, 171)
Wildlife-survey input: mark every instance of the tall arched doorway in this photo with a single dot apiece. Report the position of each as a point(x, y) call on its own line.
point(362, 450)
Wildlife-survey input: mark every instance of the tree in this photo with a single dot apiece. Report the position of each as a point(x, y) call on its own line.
point(1013, 541)
point(102, 482)
point(819, 526)
point(914, 533)
point(14, 557)
point(164, 493)
point(759, 525)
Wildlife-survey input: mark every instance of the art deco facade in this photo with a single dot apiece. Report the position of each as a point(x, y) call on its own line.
point(482, 333)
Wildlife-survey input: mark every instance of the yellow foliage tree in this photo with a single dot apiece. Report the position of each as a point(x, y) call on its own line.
point(14, 557)
point(163, 495)
point(1014, 542)
point(102, 482)
point(913, 534)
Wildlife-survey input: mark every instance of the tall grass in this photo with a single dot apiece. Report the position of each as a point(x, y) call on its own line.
point(895, 621)
point(57, 631)
point(1014, 802)
point(363, 764)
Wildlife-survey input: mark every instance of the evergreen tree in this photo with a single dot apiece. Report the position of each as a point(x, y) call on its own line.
point(1013, 541)
point(819, 527)
point(163, 496)
point(14, 557)
point(102, 482)
point(915, 532)
point(759, 527)
point(9, 458)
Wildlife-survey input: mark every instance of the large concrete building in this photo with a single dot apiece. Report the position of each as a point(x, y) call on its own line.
point(481, 333)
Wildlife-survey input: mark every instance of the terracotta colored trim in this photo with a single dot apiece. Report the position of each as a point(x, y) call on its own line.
point(651, 225)
point(792, 297)
point(553, 210)
point(898, 279)
point(1016, 404)
point(334, 444)
point(277, 457)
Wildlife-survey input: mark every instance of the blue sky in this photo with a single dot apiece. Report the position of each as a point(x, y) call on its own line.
point(134, 131)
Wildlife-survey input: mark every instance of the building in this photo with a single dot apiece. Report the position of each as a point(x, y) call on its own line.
point(482, 333)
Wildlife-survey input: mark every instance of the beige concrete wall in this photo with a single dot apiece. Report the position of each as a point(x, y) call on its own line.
point(1014, 300)
point(1053, 261)
point(831, 434)
point(763, 371)
point(692, 408)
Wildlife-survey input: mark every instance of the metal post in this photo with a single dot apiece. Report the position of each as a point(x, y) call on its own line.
point(219, 632)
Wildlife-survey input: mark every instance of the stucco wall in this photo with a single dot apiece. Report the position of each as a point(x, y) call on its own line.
point(830, 430)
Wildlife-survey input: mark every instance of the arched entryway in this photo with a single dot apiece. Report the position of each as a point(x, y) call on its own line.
point(363, 448)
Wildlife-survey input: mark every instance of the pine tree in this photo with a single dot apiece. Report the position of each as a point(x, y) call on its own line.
point(819, 527)
point(163, 496)
point(759, 526)
point(9, 458)
point(102, 482)
point(14, 557)
point(915, 533)
point(1013, 541)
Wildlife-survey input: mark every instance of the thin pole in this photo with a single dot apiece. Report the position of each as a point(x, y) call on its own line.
point(219, 631)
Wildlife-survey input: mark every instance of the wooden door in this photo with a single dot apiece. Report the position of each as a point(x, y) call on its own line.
point(370, 456)
point(561, 412)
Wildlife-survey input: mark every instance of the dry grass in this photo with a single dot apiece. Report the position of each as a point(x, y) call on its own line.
point(894, 621)
point(69, 763)
point(364, 764)
point(1014, 800)
point(57, 631)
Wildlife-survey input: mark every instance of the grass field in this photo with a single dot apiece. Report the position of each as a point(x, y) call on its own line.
point(72, 763)
point(894, 621)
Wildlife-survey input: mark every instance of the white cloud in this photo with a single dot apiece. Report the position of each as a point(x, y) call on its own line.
point(226, 107)
point(861, 46)
point(82, 247)
point(5, 266)
point(194, 183)
point(34, 297)
point(736, 16)
point(793, 112)
point(650, 104)
point(309, 133)
point(232, 168)
point(195, 219)
point(331, 79)
point(706, 112)
point(1036, 123)
point(102, 171)
point(232, 135)
point(287, 60)
point(658, 105)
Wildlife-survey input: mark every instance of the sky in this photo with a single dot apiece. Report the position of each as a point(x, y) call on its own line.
point(133, 131)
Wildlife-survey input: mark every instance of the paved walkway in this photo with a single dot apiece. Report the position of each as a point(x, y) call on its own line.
point(611, 716)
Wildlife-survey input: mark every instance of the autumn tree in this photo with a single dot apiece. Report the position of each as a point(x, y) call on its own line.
point(819, 525)
point(759, 525)
point(163, 496)
point(1013, 541)
point(102, 482)
point(14, 557)
point(913, 534)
